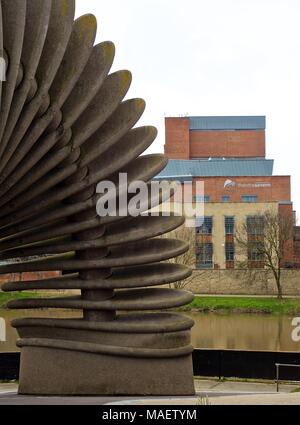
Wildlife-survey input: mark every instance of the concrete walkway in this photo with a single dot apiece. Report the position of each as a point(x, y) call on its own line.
point(5, 388)
point(215, 400)
point(203, 385)
point(209, 392)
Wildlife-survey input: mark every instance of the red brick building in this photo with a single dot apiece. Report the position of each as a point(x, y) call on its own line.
point(213, 137)
point(228, 154)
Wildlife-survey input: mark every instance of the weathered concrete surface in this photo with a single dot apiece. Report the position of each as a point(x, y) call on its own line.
point(64, 128)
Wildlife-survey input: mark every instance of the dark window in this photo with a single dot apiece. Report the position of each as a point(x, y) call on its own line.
point(255, 252)
point(201, 198)
point(225, 198)
point(255, 225)
point(229, 251)
point(255, 229)
point(249, 198)
point(229, 225)
point(204, 255)
point(205, 226)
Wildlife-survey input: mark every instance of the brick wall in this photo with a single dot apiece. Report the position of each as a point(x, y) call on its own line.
point(239, 282)
point(177, 138)
point(236, 144)
point(279, 189)
point(17, 277)
point(181, 143)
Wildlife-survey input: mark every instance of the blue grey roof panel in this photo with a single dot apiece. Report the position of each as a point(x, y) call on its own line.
point(227, 123)
point(217, 168)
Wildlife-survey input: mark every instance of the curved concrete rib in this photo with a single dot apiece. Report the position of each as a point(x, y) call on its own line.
point(36, 27)
point(58, 35)
point(64, 128)
point(1, 45)
point(106, 349)
point(145, 252)
point(136, 142)
point(143, 227)
point(133, 300)
point(76, 56)
point(90, 82)
point(62, 212)
point(131, 277)
point(14, 15)
point(137, 323)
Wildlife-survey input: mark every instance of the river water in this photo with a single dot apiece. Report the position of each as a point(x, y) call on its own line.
point(213, 331)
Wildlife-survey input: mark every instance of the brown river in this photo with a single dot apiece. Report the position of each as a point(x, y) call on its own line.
point(213, 331)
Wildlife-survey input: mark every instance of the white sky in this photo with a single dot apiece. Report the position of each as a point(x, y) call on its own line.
point(212, 57)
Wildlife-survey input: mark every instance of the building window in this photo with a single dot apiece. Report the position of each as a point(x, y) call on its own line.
point(202, 199)
point(249, 198)
point(204, 226)
point(229, 251)
point(255, 230)
point(204, 255)
point(255, 225)
point(229, 225)
point(225, 198)
point(255, 252)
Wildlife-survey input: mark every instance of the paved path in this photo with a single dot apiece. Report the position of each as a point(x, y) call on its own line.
point(258, 399)
point(221, 400)
point(208, 392)
point(203, 385)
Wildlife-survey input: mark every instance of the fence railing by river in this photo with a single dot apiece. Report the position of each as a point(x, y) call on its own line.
point(208, 363)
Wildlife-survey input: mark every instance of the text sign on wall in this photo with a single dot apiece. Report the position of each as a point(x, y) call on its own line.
point(232, 184)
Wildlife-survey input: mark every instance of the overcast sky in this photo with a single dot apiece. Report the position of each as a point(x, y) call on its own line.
point(212, 57)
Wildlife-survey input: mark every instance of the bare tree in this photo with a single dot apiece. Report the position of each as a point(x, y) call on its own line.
point(188, 259)
point(266, 240)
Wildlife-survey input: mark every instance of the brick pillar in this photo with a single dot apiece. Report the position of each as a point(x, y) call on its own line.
point(177, 138)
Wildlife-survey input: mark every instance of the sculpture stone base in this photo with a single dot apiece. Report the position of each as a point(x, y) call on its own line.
point(136, 354)
point(51, 371)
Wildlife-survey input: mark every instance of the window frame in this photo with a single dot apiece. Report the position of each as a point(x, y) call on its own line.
point(231, 252)
point(207, 229)
point(227, 198)
point(226, 225)
point(249, 198)
point(254, 255)
point(255, 230)
point(207, 255)
point(204, 199)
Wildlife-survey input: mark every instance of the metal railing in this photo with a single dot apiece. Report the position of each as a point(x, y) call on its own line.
point(278, 366)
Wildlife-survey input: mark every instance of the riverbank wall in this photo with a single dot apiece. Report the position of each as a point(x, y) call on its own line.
point(243, 282)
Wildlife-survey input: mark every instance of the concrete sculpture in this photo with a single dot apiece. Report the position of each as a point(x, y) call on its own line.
point(64, 127)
